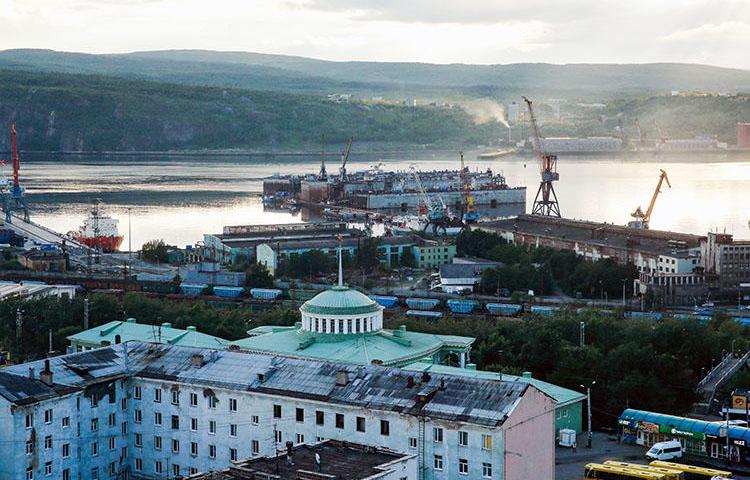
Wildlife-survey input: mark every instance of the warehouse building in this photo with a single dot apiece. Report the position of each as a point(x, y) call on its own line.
point(152, 411)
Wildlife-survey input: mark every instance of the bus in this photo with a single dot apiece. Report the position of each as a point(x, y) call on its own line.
point(610, 472)
point(669, 474)
point(691, 472)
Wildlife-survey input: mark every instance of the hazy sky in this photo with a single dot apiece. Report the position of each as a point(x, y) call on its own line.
point(468, 31)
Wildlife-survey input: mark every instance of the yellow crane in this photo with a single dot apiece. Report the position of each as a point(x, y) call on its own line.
point(642, 219)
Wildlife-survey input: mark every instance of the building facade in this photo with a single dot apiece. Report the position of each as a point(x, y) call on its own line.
point(725, 261)
point(154, 411)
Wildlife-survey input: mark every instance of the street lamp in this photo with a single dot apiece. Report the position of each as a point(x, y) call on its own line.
point(588, 406)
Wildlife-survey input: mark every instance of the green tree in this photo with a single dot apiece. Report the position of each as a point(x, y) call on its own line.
point(154, 251)
point(408, 259)
point(368, 255)
point(258, 276)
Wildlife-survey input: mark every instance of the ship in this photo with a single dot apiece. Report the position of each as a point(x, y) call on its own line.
point(99, 231)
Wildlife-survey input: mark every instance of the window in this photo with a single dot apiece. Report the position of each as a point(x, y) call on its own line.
point(212, 451)
point(437, 462)
point(486, 442)
point(412, 442)
point(437, 435)
point(138, 415)
point(233, 454)
point(385, 428)
point(300, 438)
point(94, 449)
point(300, 414)
point(138, 464)
point(254, 420)
point(48, 442)
point(124, 404)
point(212, 401)
point(277, 411)
point(48, 416)
point(463, 438)
point(175, 397)
point(157, 395)
point(175, 422)
point(95, 473)
point(157, 418)
point(233, 430)
point(94, 401)
point(193, 399)
point(65, 422)
point(111, 420)
point(360, 424)
point(157, 467)
point(157, 443)
point(194, 449)
point(112, 443)
point(29, 420)
point(486, 470)
point(194, 424)
point(254, 447)
point(66, 474)
point(29, 473)
point(138, 440)
point(48, 469)
point(175, 469)
point(124, 428)
point(320, 418)
point(137, 393)
point(94, 424)
point(278, 436)
point(29, 447)
point(212, 427)
point(463, 466)
point(319, 439)
point(232, 404)
point(339, 420)
point(66, 450)
point(175, 446)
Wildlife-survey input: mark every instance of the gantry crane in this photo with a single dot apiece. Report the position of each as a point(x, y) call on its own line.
point(344, 159)
point(545, 202)
point(642, 219)
point(322, 175)
point(14, 195)
point(470, 212)
point(437, 213)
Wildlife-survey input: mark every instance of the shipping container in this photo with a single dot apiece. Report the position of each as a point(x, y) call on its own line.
point(422, 303)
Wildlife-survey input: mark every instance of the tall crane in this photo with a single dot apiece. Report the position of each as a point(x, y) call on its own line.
point(344, 159)
point(470, 212)
point(437, 212)
point(642, 219)
point(322, 175)
point(14, 194)
point(545, 202)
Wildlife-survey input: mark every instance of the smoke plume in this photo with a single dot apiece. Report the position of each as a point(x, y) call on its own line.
point(483, 110)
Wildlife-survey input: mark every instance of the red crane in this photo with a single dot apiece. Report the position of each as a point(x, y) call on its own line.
point(545, 202)
point(14, 155)
point(14, 199)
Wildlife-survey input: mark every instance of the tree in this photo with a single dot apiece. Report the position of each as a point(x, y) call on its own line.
point(408, 259)
point(155, 251)
point(258, 276)
point(368, 255)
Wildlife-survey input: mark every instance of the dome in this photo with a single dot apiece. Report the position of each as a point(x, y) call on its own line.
point(340, 301)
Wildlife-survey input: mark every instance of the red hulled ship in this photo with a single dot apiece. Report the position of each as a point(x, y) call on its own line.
point(98, 231)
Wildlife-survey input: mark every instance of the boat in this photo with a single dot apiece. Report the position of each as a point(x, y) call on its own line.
point(99, 231)
point(407, 224)
point(496, 153)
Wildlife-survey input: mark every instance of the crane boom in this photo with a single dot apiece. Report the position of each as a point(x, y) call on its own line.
point(642, 219)
point(545, 202)
point(345, 158)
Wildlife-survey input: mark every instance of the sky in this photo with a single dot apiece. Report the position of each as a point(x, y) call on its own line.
point(715, 32)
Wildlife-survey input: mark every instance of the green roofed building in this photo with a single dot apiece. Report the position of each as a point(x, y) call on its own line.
point(343, 324)
point(117, 332)
point(568, 403)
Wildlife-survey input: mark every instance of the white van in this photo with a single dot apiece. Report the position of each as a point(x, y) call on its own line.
point(665, 450)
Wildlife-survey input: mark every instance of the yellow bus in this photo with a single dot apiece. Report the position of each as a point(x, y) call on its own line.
point(669, 474)
point(691, 472)
point(610, 472)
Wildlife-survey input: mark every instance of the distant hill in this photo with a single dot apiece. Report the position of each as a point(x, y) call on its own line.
point(70, 112)
point(307, 75)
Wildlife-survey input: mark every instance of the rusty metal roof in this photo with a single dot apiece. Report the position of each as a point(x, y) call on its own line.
point(448, 397)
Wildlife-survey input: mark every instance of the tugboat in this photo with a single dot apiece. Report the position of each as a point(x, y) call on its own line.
point(99, 231)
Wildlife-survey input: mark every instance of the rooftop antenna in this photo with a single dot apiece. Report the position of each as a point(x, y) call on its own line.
point(341, 268)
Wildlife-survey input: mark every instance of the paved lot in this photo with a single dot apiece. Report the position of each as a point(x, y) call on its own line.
point(569, 465)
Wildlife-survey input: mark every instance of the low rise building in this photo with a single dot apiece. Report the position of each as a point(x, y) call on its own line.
point(678, 278)
point(116, 332)
point(32, 289)
point(463, 274)
point(725, 261)
point(44, 260)
point(211, 273)
point(433, 254)
point(148, 411)
point(328, 459)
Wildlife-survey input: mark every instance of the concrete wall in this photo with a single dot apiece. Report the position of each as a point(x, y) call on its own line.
point(569, 416)
point(530, 431)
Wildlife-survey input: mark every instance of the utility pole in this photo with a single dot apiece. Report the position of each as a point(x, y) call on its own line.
point(582, 334)
point(130, 236)
point(50, 341)
point(588, 407)
point(624, 280)
point(85, 313)
point(276, 447)
point(19, 324)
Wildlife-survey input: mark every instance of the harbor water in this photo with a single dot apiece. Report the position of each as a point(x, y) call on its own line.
point(179, 198)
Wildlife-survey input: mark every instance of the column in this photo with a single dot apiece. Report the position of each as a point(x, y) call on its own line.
point(463, 359)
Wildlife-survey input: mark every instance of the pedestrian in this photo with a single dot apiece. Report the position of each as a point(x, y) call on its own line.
point(317, 461)
point(575, 446)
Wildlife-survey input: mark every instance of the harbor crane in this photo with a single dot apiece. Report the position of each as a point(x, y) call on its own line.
point(642, 219)
point(322, 175)
point(344, 159)
point(545, 202)
point(436, 212)
point(14, 195)
point(470, 212)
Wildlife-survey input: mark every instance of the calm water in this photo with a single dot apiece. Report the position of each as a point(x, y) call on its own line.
point(178, 199)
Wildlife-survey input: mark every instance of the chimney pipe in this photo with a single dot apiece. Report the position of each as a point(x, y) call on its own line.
point(31, 372)
point(342, 378)
point(46, 375)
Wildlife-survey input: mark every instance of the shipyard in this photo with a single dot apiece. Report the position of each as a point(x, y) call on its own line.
point(376, 241)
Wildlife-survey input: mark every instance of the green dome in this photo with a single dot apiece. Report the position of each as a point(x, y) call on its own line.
point(340, 301)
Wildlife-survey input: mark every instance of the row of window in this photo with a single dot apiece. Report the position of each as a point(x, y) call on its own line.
point(463, 466)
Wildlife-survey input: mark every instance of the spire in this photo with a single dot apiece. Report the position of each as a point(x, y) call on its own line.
point(341, 268)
